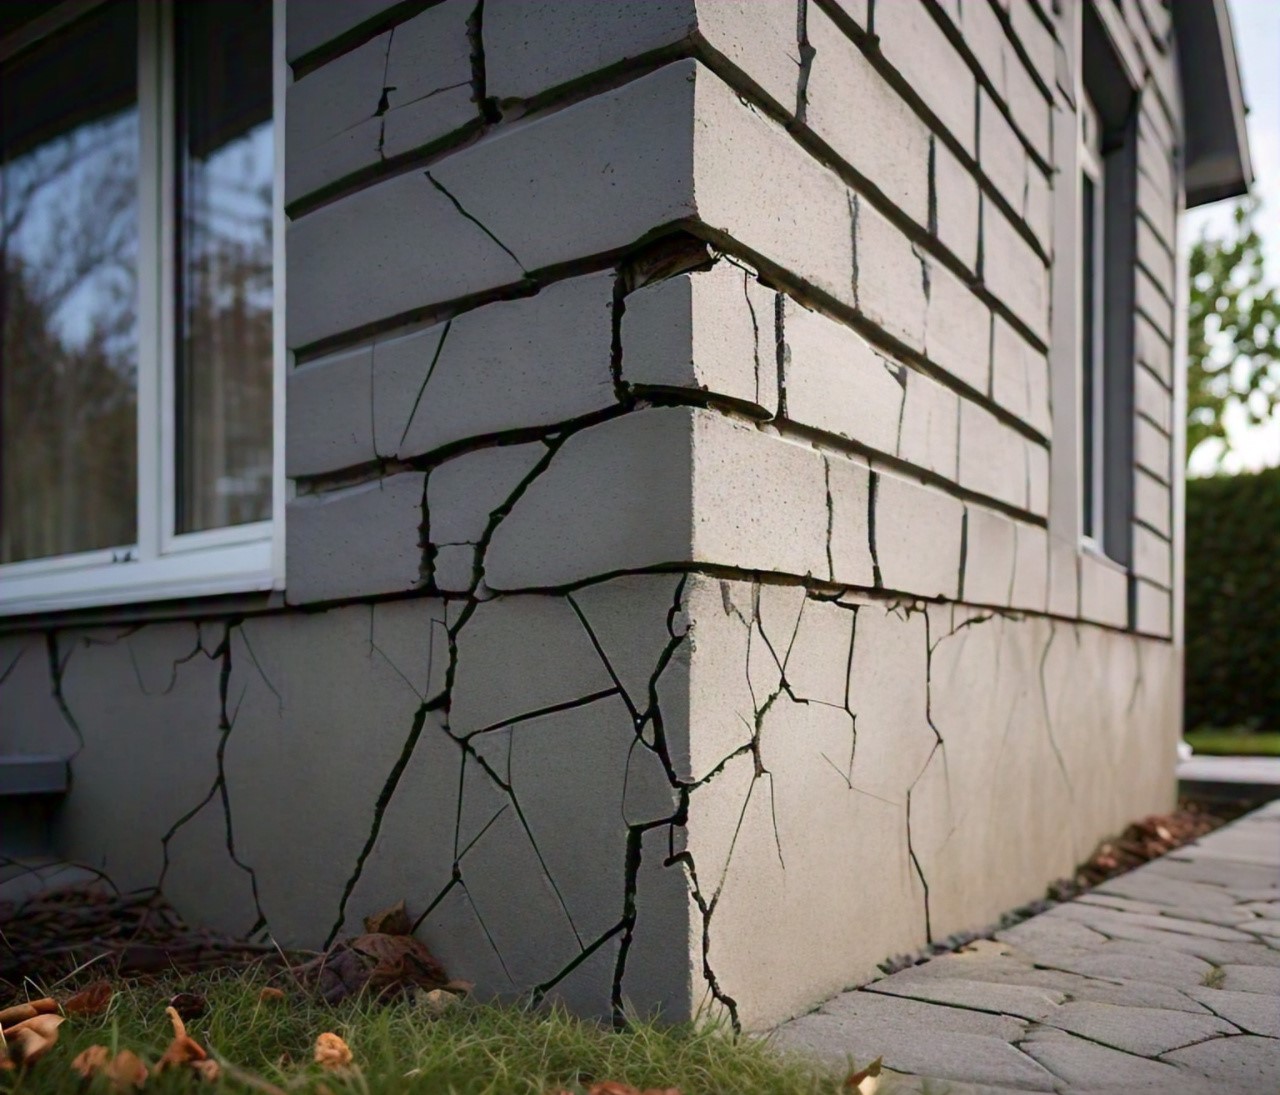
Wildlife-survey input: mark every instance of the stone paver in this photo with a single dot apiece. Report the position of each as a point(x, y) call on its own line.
point(1166, 979)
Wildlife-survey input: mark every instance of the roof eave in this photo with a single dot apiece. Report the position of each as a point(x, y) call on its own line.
point(1217, 158)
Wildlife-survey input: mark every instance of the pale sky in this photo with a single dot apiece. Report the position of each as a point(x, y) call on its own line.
point(1257, 33)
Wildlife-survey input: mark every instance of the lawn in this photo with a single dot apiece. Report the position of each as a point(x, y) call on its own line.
point(1235, 743)
point(267, 1046)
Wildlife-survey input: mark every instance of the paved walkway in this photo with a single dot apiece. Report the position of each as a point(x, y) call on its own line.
point(1166, 979)
point(1252, 779)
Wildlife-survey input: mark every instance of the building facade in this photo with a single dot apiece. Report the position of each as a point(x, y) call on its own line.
point(686, 493)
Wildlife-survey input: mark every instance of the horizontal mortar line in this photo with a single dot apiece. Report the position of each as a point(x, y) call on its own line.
point(516, 114)
point(869, 45)
point(437, 312)
point(1152, 372)
point(953, 35)
point(1163, 534)
point(828, 444)
point(1166, 294)
point(1141, 311)
point(1156, 229)
point(827, 157)
point(341, 479)
point(740, 81)
point(1158, 425)
point(817, 300)
point(389, 167)
point(358, 35)
point(1157, 234)
point(188, 610)
point(802, 292)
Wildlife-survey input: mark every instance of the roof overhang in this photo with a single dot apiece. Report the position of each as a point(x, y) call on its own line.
point(1217, 146)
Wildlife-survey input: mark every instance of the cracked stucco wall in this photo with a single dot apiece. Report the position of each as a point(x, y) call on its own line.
point(674, 615)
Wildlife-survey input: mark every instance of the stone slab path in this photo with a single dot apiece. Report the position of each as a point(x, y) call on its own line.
point(1255, 779)
point(1166, 979)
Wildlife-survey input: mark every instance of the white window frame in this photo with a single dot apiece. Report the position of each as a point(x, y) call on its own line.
point(164, 564)
point(1093, 305)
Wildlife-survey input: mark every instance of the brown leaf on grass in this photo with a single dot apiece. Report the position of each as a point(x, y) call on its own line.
point(32, 1038)
point(392, 921)
point(18, 1012)
point(93, 999)
point(208, 1070)
point(125, 1071)
point(332, 1052)
point(183, 1050)
point(91, 1061)
point(376, 962)
point(190, 1005)
point(866, 1080)
point(270, 995)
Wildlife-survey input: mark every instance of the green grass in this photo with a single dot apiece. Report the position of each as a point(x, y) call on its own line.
point(473, 1049)
point(1235, 743)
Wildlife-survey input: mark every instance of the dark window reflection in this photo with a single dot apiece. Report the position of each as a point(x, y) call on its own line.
point(68, 295)
point(224, 269)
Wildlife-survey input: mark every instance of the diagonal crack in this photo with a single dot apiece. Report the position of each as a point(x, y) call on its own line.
point(474, 220)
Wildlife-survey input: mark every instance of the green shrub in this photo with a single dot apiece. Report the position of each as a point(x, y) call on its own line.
point(1233, 601)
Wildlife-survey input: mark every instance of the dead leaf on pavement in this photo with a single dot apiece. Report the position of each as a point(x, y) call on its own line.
point(93, 999)
point(332, 1052)
point(391, 921)
point(866, 1080)
point(18, 1012)
point(32, 1038)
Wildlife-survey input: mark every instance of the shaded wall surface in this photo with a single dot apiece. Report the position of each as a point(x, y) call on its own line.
point(675, 617)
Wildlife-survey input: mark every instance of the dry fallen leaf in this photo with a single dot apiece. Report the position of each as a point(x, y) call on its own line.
point(91, 1061)
point(270, 995)
point(123, 1071)
point(91, 1000)
point(183, 1050)
point(392, 921)
point(208, 1070)
point(436, 1002)
point(18, 1012)
point(332, 1052)
point(31, 1039)
point(866, 1080)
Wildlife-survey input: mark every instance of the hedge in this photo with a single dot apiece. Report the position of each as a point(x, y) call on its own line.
point(1233, 601)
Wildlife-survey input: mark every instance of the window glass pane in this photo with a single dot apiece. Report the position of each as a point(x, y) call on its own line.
point(1088, 371)
point(225, 140)
point(69, 290)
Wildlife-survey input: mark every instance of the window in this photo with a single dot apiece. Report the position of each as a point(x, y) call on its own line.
point(140, 350)
point(1107, 225)
point(1093, 304)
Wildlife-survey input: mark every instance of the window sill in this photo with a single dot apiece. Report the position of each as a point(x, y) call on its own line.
point(94, 581)
point(1094, 551)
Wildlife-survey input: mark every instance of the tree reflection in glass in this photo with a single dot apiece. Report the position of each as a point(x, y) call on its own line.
point(68, 299)
point(225, 272)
